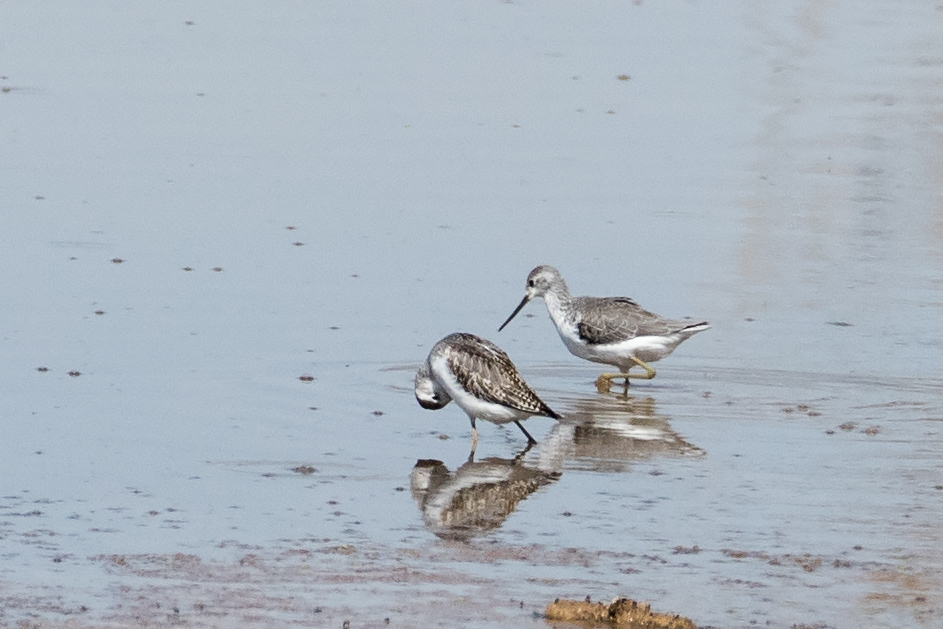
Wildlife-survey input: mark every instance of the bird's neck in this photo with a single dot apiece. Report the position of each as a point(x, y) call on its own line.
point(559, 303)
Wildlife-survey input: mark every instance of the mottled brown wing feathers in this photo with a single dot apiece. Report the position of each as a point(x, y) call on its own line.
point(484, 370)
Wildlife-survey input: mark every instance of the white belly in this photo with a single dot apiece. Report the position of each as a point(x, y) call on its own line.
point(648, 349)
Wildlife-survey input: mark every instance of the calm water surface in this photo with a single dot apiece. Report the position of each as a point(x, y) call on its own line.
point(231, 233)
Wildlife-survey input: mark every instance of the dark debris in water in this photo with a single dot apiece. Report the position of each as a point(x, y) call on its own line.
point(840, 324)
point(685, 550)
point(801, 408)
point(808, 562)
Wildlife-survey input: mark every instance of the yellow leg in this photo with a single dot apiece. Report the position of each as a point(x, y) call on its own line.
point(474, 437)
point(604, 381)
point(649, 371)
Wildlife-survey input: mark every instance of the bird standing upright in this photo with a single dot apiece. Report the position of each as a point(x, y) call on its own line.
point(609, 330)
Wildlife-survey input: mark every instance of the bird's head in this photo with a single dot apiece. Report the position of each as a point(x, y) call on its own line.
point(428, 392)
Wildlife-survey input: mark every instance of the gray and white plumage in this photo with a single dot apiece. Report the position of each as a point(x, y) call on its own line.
point(478, 376)
point(608, 330)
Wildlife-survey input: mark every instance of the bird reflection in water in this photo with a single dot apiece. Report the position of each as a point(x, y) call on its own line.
point(598, 434)
point(609, 434)
point(477, 497)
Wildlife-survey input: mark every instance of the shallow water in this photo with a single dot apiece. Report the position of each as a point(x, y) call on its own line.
point(240, 229)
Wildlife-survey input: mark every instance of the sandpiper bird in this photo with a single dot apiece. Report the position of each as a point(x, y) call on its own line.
point(482, 380)
point(609, 330)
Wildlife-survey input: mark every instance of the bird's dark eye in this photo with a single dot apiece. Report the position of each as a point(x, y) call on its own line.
point(530, 283)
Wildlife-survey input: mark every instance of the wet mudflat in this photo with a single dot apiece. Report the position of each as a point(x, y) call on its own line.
point(230, 236)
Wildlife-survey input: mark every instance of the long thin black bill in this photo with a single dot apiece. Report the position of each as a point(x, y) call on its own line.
point(516, 310)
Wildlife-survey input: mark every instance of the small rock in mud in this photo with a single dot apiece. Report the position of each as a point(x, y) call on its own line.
point(305, 470)
point(622, 612)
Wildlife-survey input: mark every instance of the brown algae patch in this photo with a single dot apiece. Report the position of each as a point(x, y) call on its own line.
point(903, 586)
point(808, 562)
point(622, 612)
